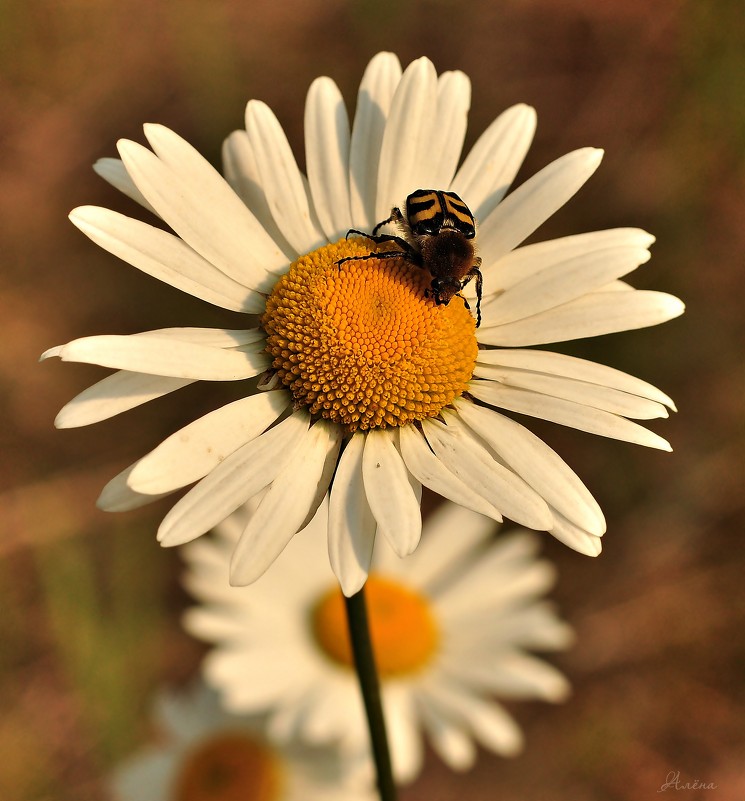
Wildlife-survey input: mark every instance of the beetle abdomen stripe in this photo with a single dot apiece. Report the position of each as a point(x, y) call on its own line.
point(455, 206)
point(423, 206)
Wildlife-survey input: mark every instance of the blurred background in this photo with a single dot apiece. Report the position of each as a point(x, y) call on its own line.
point(90, 604)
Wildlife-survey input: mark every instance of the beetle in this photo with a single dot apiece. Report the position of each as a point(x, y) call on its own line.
point(438, 234)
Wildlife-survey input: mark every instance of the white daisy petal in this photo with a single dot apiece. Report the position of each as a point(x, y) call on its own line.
point(327, 156)
point(281, 179)
point(599, 397)
point(337, 715)
point(203, 583)
point(617, 286)
point(115, 173)
point(117, 496)
point(589, 316)
point(213, 563)
point(560, 283)
point(258, 687)
point(535, 462)
point(213, 337)
point(201, 176)
point(488, 721)
point(490, 168)
point(392, 500)
point(528, 260)
point(150, 353)
point(305, 567)
point(238, 477)
point(276, 521)
point(466, 604)
point(516, 675)
point(414, 483)
point(514, 548)
point(242, 173)
point(542, 361)
point(532, 203)
point(407, 752)
point(374, 98)
point(452, 742)
point(285, 725)
point(461, 454)
point(198, 448)
point(523, 621)
point(446, 144)
point(318, 507)
point(113, 395)
point(567, 413)
point(202, 208)
point(165, 257)
point(351, 524)
point(575, 537)
point(532, 626)
point(211, 558)
point(206, 623)
point(453, 532)
point(407, 135)
point(422, 463)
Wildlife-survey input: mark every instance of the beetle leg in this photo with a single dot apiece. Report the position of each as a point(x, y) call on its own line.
point(359, 233)
point(402, 243)
point(396, 216)
point(383, 238)
point(389, 254)
point(474, 272)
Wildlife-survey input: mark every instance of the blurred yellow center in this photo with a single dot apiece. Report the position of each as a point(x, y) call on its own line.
point(230, 767)
point(360, 344)
point(402, 627)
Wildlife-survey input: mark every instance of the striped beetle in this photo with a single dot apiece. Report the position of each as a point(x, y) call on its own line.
point(437, 233)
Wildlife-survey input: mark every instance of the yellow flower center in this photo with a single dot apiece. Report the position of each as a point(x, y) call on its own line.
point(402, 627)
point(360, 344)
point(230, 767)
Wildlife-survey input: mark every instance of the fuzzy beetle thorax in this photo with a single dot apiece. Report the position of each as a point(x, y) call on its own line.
point(448, 255)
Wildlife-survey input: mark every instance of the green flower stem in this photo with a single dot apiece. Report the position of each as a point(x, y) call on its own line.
point(364, 660)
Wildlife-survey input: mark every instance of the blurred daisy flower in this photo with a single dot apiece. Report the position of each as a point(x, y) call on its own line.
point(451, 627)
point(206, 754)
point(364, 389)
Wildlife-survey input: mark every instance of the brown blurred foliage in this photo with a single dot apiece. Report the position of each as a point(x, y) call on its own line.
point(91, 604)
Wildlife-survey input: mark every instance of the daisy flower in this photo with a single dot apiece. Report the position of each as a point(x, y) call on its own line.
point(207, 754)
point(364, 388)
point(451, 627)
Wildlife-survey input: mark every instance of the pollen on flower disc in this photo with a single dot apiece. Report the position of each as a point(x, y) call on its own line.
point(230, 767)
point(402, 627)
point(360, 344)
